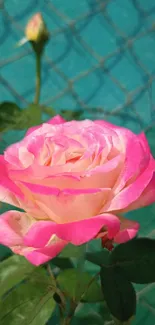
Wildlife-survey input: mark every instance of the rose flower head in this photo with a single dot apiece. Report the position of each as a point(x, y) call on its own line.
point(74, 181)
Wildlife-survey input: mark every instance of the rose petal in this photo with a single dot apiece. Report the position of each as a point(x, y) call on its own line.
point(43, 255)
point(127, 231)
point(7, 184)
point(65, 205)
point(136, 160)
point(132, 192)
point(146, 198)
point(77, 233)
point(13, 224)
point(55, 120)
point(107, 124)
point(46, 190)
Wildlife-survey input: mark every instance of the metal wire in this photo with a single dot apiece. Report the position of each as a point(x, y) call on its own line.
point(99, 63)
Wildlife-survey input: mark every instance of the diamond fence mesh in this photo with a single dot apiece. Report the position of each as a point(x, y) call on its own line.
point(100, 58)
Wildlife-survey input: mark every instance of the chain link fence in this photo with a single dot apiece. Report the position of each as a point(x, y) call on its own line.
point(100, 58)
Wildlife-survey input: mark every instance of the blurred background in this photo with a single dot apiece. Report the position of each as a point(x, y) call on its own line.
point(99, 62)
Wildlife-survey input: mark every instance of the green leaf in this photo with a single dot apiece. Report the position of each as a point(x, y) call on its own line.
point(48, 110)
point(72, 251)
point(57, 298)
point(118, 292)
point(98, 311)
point(89, 319)
point(5, 252)
point(80, 261)
point(30, 303)
point(8, 115)
point(8, 108)
point(70, 115)
point(99, 258)
point(79, 286)
point(12, 271)
point(105, 313)
point(137, 258)
point(32, 115)
point(63, 263)
point(13, 118)
point(29, 117)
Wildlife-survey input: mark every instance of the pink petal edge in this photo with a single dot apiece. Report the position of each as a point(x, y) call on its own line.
point(77, 233)
point(129, 232)
point(43, 255)
point(55, 120)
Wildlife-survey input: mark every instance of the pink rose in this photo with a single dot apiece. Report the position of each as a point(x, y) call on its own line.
point(74, 180)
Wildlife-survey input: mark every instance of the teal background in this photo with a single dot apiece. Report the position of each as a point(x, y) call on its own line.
point(100, 60)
